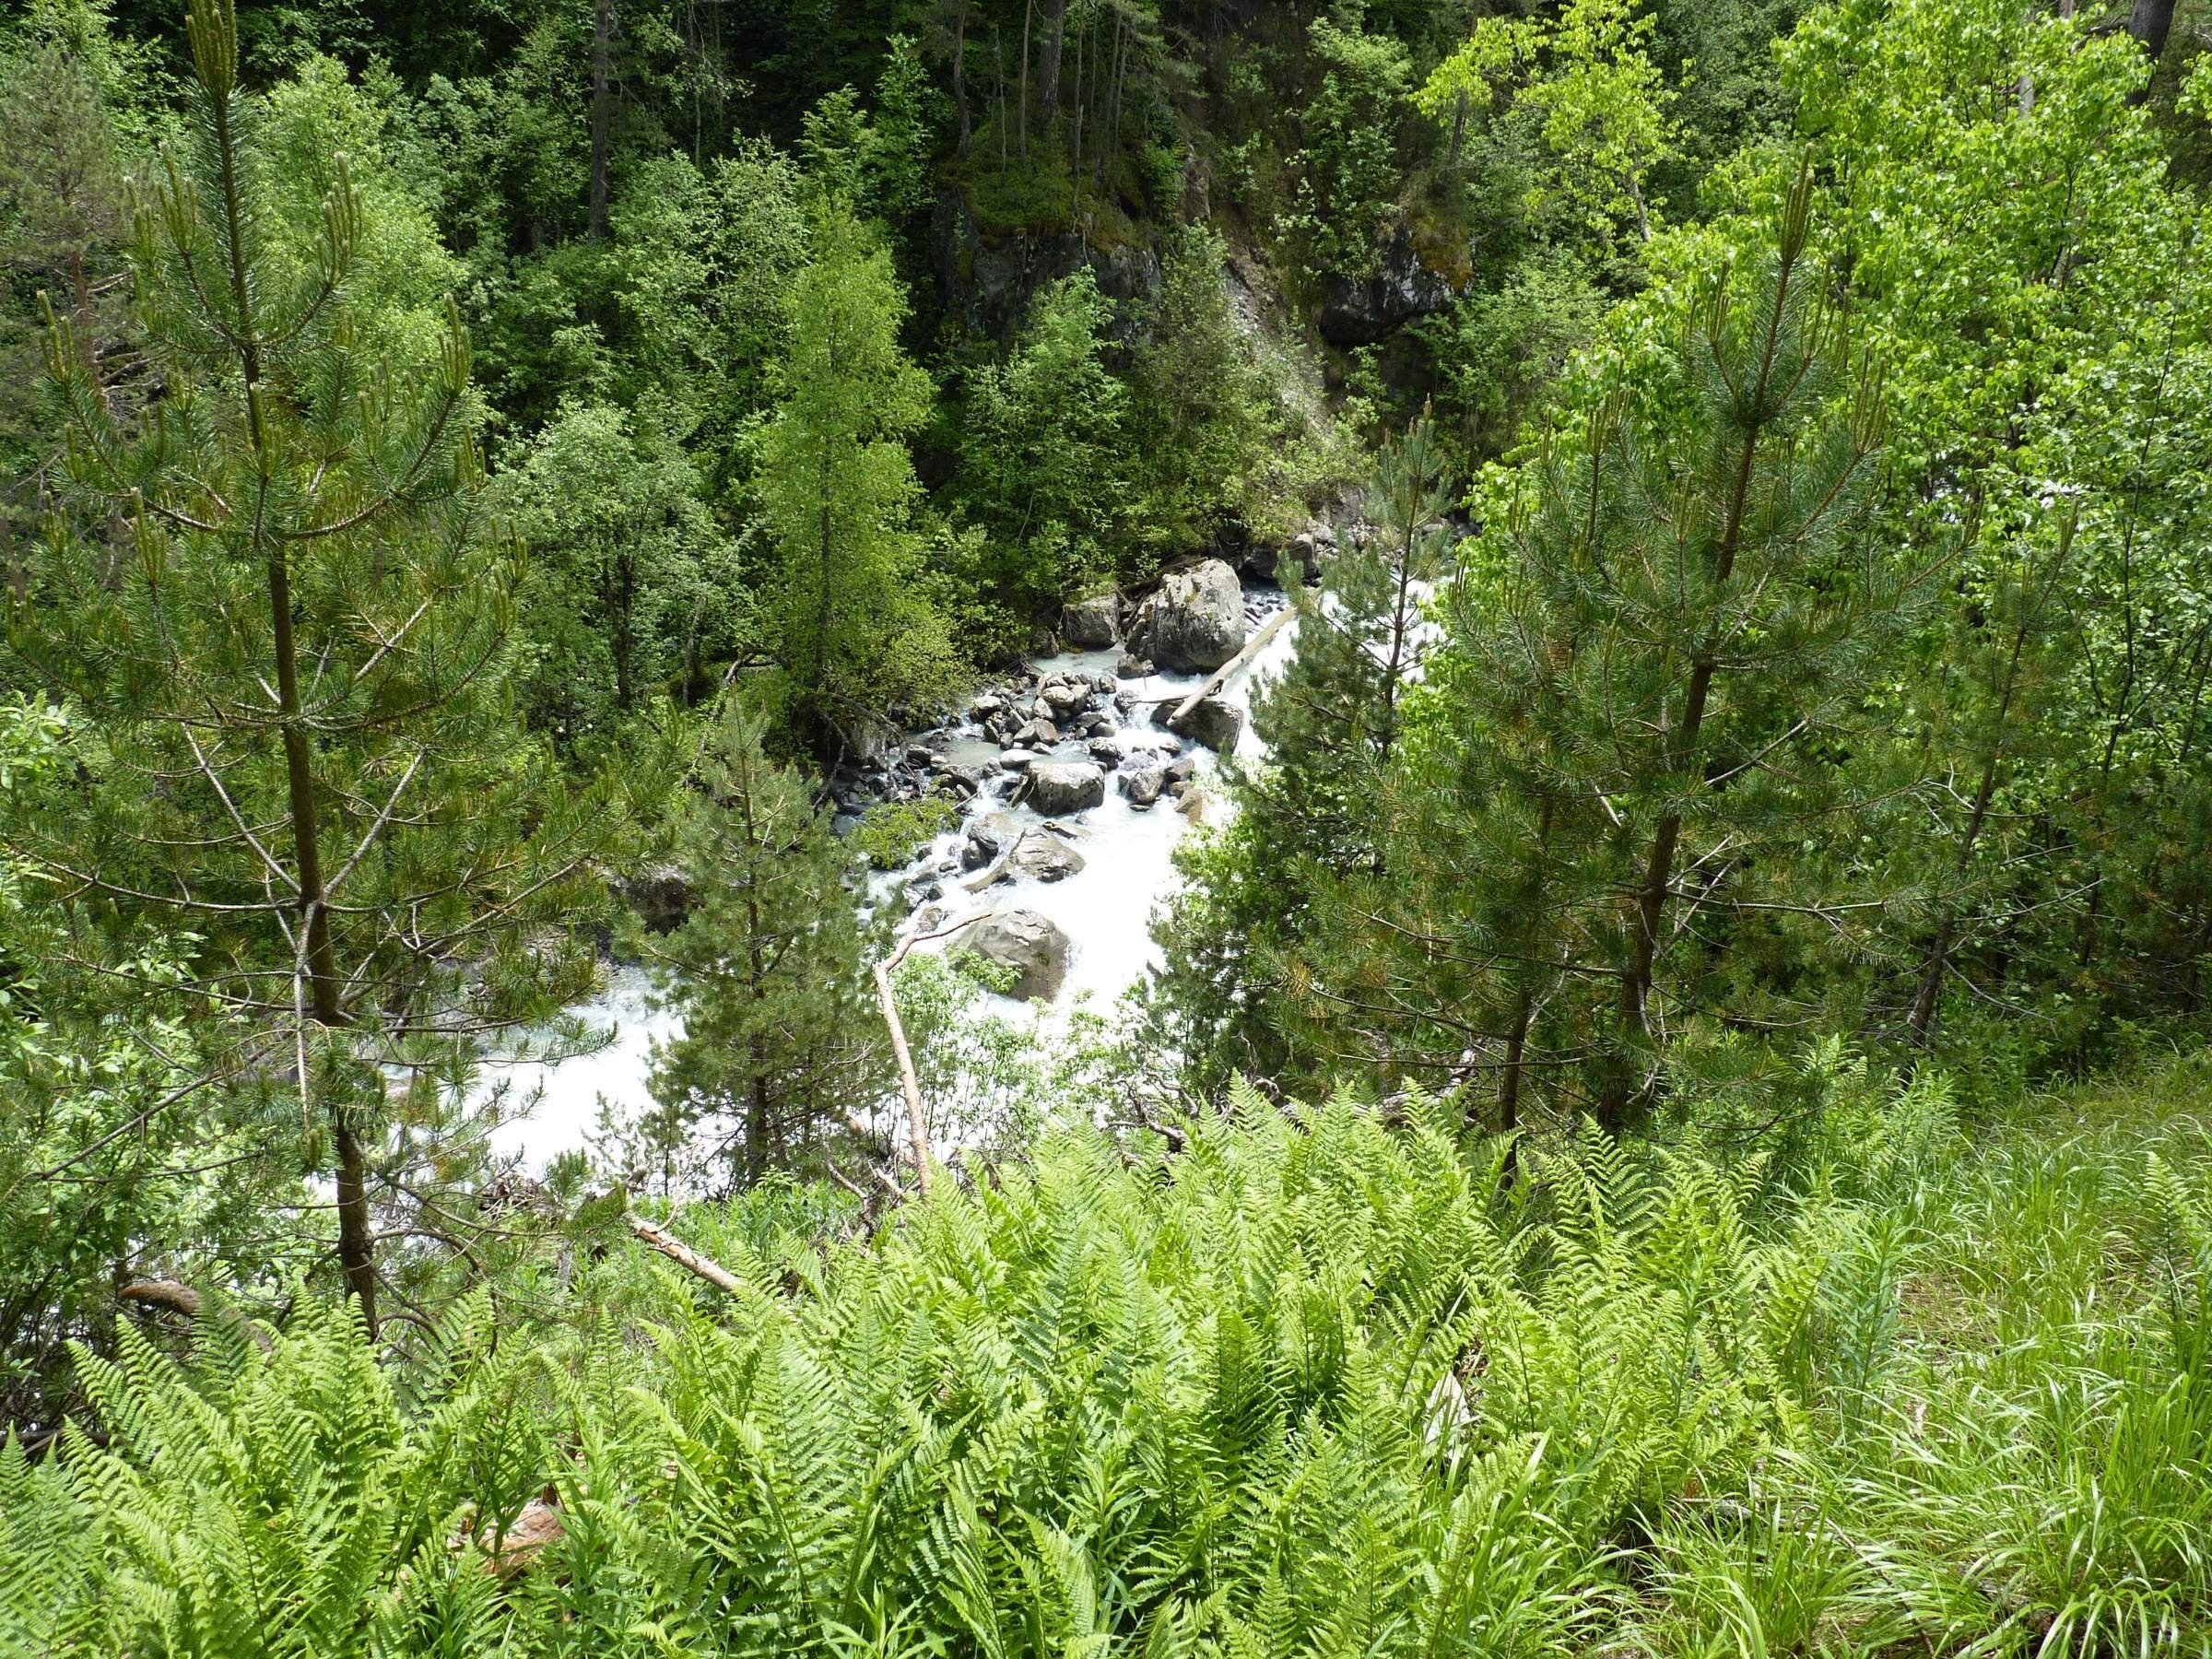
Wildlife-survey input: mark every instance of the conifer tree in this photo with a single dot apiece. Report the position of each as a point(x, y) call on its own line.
point(1237, 973)
point(854, 632)
point(770, 970)
point(1650, 721)
point(292, 647)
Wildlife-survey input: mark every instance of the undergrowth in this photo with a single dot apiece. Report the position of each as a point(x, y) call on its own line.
point(1316, 1383)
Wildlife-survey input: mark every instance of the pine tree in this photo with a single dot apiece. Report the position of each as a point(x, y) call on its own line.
point(293, 649)
point(1238, 981)
point(770, 970)
point(1645, 756)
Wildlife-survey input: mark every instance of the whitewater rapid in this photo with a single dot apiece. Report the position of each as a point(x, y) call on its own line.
point(1105, 909)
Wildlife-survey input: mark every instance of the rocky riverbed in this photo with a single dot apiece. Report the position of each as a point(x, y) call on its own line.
point(1073, 794)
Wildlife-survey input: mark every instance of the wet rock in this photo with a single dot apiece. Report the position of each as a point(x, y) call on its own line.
point(1196, 619)
point(661, 895)
point(990, 835)
point(1037, 735)
point(1064, 701)
point(1043, 856)
point(1132, 667)
point(1060, 787)
point(1183, 768)
point(1144, 786)
point(984, 707)
point(1215, 721)
point(1106, 751)
point(1030, 945)
point(916, 755)
point(1016, 760)
point(1093, 624)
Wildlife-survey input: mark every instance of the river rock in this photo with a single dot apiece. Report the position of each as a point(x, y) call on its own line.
point(1043, 856)
point(1132, 667)
point(1029, 944)
point(1215, 721)
point(662, 897)
point(1064, 701)
point(1016, 760)
point(989, 836)
point(1059, 787)
point(1093, 624)
point(1143, 786)
point(1037, 735)
point(1196, 619)
point(1183, 769)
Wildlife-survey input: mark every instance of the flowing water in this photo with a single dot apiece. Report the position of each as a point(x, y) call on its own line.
point(1105, 909)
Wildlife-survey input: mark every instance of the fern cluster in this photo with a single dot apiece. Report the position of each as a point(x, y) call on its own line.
point(1317, 1383)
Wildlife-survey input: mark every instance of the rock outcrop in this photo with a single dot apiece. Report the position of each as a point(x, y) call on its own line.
point(990, 275)
point(1399, 289)
point(1059, 787)
point(1196, 621)
point(1215, 721)
point(1029, 944)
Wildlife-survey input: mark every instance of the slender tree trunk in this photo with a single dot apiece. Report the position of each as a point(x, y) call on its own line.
point(1618, 1087)
point(1921, 1024)
point(357, 1245)
point(1048, 61)
point(602, 33)
point(1028, 10)
point(960, 81)
point(1075, 170)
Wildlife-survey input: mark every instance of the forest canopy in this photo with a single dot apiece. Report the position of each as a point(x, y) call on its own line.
point(1108, 826)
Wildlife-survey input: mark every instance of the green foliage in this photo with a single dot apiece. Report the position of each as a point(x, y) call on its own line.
point(1046, 453)
point(855, 635)
point(1348, 171)
point(767, 971)
point(630, 584)
point(890, 832)
point(1311, 1379)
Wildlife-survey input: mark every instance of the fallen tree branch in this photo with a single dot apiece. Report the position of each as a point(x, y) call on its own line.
point(683, 1255)
point(917, 1124)
point(1216, 681)
point(164, 1293)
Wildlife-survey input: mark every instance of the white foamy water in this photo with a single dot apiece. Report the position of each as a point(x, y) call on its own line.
point(1105, 909)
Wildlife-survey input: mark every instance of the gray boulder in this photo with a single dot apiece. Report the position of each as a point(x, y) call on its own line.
point(1037, 735)
point(1042, 856)
point(1215, 721)
point(1093, 624)
point(1029, 944)
point(1064, 701)
point(1143, 786)
point(1131, 666)
point(661, 895)
point(1196, 619)
point(988, 837)
point(1059, 787)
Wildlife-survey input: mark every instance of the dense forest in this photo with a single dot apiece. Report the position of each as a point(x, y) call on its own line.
point(1156, 827)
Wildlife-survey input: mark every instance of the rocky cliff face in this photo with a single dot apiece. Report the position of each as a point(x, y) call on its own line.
point(989, 276)
point(1402, 288)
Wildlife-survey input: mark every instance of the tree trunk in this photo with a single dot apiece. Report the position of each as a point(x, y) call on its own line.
point(1022, 95)
point(2148, 23)
point(1048, 61)
point(626, 598)
point(602, 33)
point(959, 81)
point(356, 1243)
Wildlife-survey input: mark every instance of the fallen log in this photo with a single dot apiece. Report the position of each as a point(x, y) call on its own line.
point(917, 1124)
point(1219, 677)
point(683, 1255)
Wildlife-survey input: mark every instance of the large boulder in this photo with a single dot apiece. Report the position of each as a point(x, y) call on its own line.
point(1196, 619)
point(1042, 856)
point(1030, 945)
point(1143, 786)
point(1059, 787)
point(1093, 624)
point(1215, 721)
